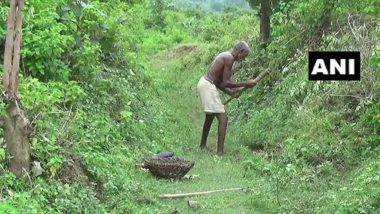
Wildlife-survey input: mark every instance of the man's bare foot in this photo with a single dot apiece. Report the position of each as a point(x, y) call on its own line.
point(203, 148)
point(206, 149)
point(220, 153)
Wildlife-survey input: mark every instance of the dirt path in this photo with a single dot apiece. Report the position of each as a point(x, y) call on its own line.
point(177, 89)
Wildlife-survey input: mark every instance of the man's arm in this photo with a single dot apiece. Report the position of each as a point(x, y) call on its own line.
point(228, 91)
point(232, 91)
point(256, 80)
point(227, 74)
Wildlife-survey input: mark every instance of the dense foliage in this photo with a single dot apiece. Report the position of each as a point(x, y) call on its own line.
point(213, 5)
point(98, 105)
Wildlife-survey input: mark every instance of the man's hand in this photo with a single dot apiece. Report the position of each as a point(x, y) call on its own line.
point(237, 92)
point(250, 83)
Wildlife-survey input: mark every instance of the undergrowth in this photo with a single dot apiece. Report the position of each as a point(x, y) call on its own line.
point(98, 106)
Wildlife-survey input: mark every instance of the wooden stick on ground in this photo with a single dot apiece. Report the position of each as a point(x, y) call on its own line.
point(190, 194)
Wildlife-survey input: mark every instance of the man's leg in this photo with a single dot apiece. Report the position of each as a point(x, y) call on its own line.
point(223, 119)
point(206, 129)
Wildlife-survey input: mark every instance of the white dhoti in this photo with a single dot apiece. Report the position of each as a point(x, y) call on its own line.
point(210, 98)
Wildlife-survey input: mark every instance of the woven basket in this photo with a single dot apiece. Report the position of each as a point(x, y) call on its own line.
point(172, 167)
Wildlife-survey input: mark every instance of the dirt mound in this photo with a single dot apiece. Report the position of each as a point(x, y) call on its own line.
point(73, 170)
point(177, 51)
point(183, 49)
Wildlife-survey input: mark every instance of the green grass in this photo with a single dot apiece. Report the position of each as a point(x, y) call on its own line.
point(178, 97)
point(280, 180)
point(210, 173)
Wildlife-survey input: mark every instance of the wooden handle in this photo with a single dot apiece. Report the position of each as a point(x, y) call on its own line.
point(258, 78)
point(231, 98)
point(189, 194)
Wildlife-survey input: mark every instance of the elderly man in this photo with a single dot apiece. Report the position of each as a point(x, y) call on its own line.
point(219, 77)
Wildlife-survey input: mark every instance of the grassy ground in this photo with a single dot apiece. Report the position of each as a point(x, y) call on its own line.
point(273, 187)
point(210, 171)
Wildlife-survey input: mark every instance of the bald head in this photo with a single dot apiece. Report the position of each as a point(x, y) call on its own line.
point(241, 46)
point(241, 50)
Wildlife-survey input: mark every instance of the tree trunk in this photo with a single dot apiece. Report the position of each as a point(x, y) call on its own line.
point(17, 130)
point(8, 52)
point(17, 127)
point(265, 10)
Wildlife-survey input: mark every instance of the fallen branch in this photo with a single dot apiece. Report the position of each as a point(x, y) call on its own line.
point(190, 194)
point(26, 175)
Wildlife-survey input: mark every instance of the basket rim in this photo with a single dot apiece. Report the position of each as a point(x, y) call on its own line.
point(170, 167)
